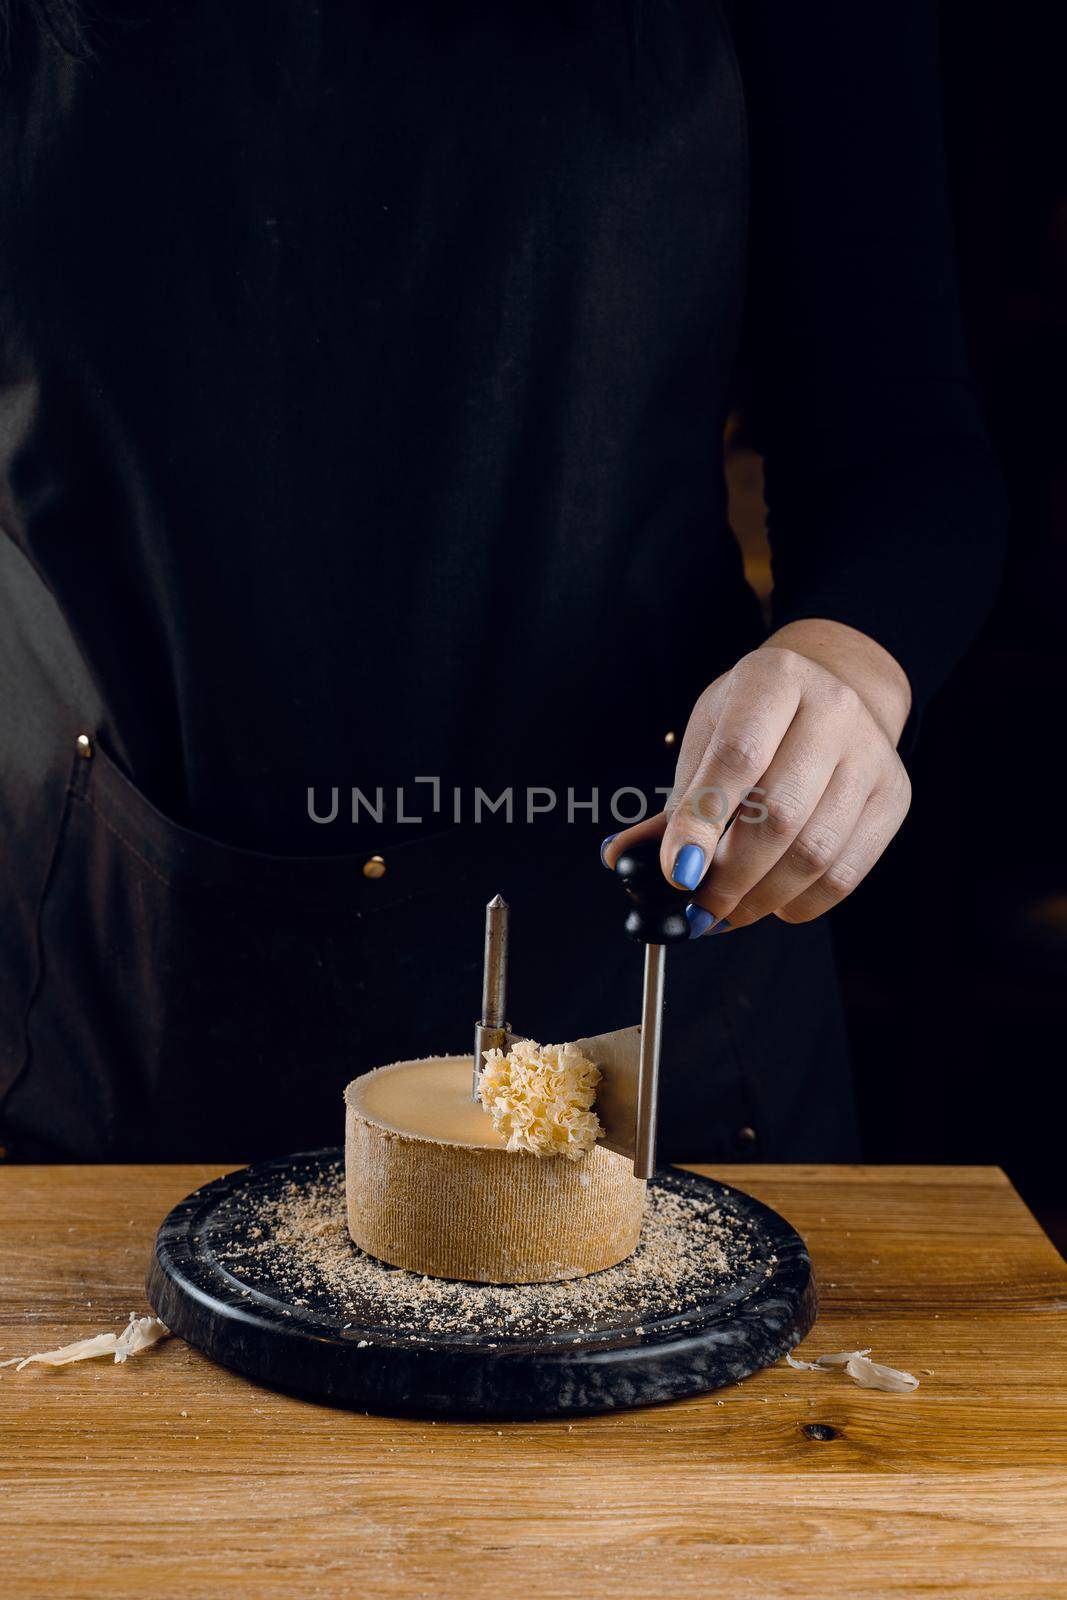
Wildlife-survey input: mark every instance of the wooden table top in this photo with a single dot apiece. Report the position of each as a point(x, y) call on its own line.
point(170, 1476)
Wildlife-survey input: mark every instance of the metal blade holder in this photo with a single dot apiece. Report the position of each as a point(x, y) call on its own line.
point(492, 1032)
point(656, 919)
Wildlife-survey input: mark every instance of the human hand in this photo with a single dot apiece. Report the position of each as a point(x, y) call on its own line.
point(798, 742)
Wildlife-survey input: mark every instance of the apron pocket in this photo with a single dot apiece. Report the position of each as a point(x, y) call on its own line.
point(195, 1000)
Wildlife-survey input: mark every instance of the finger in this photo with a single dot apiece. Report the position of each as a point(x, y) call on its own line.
point(881, 817)
point(703, 720)
point(758, 708)
point(811, 850)
point(768, 825)
point(614, 845)
point(694, 742)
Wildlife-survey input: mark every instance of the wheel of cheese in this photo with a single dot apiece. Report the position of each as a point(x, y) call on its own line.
point(431, 1186)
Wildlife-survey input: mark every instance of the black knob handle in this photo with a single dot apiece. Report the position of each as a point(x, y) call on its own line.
point(657, 915)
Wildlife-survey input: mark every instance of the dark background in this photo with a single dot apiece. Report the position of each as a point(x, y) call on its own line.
point(954, 955)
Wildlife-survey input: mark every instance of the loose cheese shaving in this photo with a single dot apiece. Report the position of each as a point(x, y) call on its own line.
point(138, 1334)
point(541, 1098)
point(868, 1374)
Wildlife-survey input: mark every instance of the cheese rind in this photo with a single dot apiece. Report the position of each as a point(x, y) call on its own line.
point(453, 1208)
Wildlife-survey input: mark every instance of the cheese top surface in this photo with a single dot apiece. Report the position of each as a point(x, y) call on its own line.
point(428, 1099)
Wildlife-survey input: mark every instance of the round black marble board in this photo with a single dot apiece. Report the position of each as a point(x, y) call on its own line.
point(350, 1355)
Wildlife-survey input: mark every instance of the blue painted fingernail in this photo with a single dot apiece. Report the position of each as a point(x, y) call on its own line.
point(688, 866)
point(604, 846)
point(722, 926)
point(699, 920)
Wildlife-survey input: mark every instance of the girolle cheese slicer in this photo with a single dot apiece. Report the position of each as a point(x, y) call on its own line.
point(628, 1093)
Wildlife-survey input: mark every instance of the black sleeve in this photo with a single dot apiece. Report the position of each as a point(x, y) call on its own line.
point(886, 509)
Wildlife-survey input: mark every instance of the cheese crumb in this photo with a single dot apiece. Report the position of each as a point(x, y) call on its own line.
point(541, 1098)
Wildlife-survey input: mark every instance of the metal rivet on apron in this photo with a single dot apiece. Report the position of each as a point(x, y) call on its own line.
point(669, 738)
point(84, 745)
point(374, 868)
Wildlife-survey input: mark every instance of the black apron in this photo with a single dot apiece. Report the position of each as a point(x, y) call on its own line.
point(189, 967)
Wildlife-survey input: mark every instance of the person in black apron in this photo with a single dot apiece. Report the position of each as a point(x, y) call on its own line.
point(363, 378)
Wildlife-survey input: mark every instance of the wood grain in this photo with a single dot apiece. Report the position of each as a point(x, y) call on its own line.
point(169, 1476)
